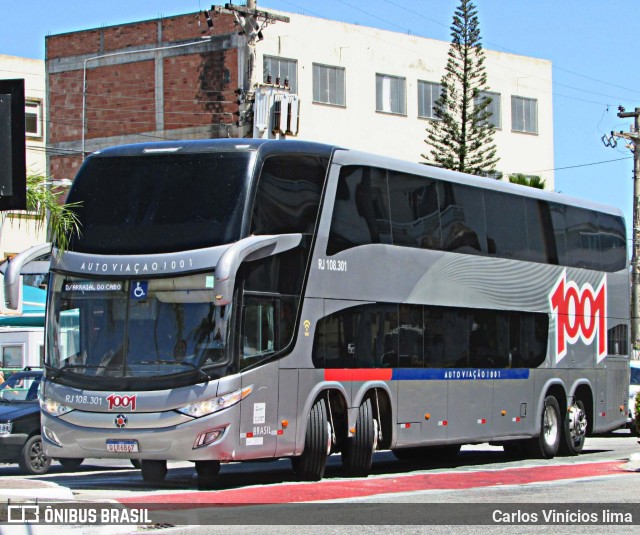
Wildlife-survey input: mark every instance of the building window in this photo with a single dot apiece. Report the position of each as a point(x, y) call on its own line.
point(391, 96)
point(428, 93)
point(493, 108)
point(524, 115)
point(33, 118)
point(281, 68)
point(12, 356)
point(328, 85)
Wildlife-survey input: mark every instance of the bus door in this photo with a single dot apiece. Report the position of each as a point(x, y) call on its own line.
point(259, 412)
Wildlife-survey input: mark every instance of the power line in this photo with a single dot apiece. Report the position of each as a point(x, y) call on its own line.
point(583, 165)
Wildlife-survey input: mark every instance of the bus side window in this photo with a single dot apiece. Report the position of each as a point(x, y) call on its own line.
point(462, 218)
point(542, 240)
point(415, 217)
point(506, 226)
point(288, 195)
point(361, 210)
point(613, 245)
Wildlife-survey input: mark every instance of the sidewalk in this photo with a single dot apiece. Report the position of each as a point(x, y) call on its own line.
point(32, 489)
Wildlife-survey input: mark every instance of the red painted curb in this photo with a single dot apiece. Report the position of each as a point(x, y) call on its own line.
point(355, 488)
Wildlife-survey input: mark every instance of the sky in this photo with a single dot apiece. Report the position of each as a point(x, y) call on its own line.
point(589, 42)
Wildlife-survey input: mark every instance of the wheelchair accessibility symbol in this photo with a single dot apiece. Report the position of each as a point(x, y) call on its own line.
point(139, 290)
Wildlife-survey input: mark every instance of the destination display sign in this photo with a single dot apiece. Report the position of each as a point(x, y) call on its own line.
point(93, 286)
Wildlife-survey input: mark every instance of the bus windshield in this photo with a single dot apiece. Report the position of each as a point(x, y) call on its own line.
point(136, 329)
point(159, 203)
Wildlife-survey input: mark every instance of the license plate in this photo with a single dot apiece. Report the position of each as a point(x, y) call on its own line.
point(122, 446)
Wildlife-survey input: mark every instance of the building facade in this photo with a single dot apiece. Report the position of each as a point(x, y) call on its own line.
point(20, 230)
point(358, 87)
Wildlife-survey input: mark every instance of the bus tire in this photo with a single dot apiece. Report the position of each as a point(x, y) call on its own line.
point(154, 471)
point(547, 443)
point(207, 473)
point(32, 459)
point(357, 455)
point(574, 429)
point(310, 465)
point(69, 463)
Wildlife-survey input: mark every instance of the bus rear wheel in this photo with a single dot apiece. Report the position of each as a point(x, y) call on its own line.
point(546, 445)
point(357, 454)
point(154, 471)
point(575, 429)
point(317, 444)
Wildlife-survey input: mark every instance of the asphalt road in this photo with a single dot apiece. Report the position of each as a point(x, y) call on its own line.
point(444, 491)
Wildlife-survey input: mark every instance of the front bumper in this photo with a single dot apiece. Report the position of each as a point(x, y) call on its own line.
point(175, 442)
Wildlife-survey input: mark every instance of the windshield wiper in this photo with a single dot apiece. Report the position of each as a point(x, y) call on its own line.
point(200, 371)
point(57, 372)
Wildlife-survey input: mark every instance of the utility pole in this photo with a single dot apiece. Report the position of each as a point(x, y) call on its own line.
point(633, 139)
point(250, 21)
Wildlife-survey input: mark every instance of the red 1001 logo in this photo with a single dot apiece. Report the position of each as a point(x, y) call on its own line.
point(579, 313)
point(120, 401)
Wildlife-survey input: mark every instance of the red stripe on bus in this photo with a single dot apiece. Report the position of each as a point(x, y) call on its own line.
point(359, 374)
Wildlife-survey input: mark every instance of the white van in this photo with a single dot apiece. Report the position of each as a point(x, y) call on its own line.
point(21, 347)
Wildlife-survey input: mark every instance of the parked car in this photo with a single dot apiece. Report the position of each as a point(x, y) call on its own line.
point(634, 388)
point(20, 439)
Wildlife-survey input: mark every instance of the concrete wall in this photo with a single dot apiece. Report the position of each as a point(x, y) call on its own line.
point(144, 81)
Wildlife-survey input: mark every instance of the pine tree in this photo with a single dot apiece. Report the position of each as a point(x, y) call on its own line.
point(462, 137)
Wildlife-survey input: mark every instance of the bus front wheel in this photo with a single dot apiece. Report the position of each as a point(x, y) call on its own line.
point(317, 444)
point(154, 471)
point(357, 455)
point(546, 445)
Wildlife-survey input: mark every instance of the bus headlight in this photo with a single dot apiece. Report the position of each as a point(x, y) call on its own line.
point(54, 408)
point(209, 406)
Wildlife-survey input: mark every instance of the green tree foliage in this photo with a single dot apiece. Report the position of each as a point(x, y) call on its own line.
point(45, 201)
point(533, 181)
point(462, 137)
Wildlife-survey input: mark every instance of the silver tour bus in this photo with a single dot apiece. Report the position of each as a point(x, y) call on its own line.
point(229, 300)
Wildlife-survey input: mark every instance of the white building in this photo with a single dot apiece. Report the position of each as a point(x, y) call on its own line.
point(373, 90)
point(19, 230)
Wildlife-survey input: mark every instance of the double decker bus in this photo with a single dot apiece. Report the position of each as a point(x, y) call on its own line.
point(230, 300)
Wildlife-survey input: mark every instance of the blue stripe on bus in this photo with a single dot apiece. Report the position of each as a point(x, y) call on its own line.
point(459, 374)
